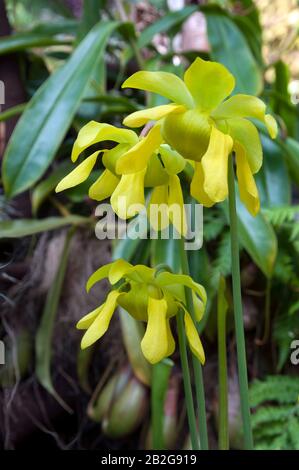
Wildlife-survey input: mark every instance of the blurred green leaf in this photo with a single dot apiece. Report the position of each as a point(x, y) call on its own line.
point(49, 114)
point(162, 25)
point(258, 238)
point(291, 150)
point(273, 179)
point(43, 341)
point(47, 186)
point(40, 36)
point(281, 100)
point(24, 227)
point(132, 333)
point(229, 46)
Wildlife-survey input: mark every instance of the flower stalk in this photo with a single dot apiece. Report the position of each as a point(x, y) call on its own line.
point(187, 382)
point(238, 310)
point(198, 377)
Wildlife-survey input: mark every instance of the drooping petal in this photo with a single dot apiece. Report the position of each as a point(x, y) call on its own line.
point(248, 191)
point(154, 344)
point(176, 209)
point(241, 106)
point(163, 83)
point(214, 164)
point(199, 307)
point(118, 269)
point(166, 279)
point(136, 159)
point(86, 321)
point(245, 134)
point(173, 162)
point(128, 198)
point(101, 324)
point(209, 83)
point(140, 118)
point(170, 339)
point(104, 186)
point(95, 132)
point(79, 174)
point(193, 338)
point(196, 188)
point(158, 208)
point(98, 275)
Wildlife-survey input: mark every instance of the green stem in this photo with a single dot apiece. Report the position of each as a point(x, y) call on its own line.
point(198, 377)
point(187, 381)
point(238, 311)
point(13, 111)
point(266, 335)
point(223, 435)
point(159, 385)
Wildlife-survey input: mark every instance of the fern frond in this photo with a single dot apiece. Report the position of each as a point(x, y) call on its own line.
point(280, 215)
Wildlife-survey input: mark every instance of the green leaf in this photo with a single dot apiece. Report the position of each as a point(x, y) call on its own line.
point(40, 36)
point(43, 340)
point(229, 47)
point(49, 114)
point(165, 23)
point(24, 227)
point(273, 179)
point(258, 238)
point(291, 149)
point(132, 334)
point(281, 102)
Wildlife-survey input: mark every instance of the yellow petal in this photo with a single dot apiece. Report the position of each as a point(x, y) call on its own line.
point(140, 118)
point(94, 132)
point(199, 307)
point(214, 164)
point(79, 174)
point(173, 162)
point(141, 273)
point(246, 106)
point(163, 83)
point(136, 159)
point(101, 324)
point(248, 191)
point(118, 269)
point(156, 174)
point(170, 339)
point(154, 344)
point(193, 338)
point(176, 209)
point(98, 275)
point(111, 157)
point(135, 301)
point(86, 321)
point(209, 83)
point(158, 208)
point(196, 188)
point(166, 279)
point(245, 133)
point(271, 125)
point(128, 197)
point(104, 186)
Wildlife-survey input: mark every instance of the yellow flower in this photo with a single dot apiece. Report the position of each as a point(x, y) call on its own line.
point(151, 296)
point(134, 164)
point(204, 128)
